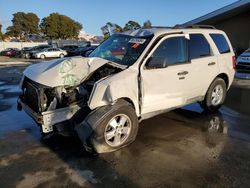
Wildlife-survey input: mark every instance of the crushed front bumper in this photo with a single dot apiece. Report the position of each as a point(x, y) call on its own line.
point(49, 118)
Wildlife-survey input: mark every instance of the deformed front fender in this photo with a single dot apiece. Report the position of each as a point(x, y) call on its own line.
point(123, 85)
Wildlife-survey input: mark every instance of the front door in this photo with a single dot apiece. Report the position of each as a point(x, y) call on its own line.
point(167, 79)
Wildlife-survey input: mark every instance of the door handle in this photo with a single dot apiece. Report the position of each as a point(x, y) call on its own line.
point(210, 64)
point(182, 73)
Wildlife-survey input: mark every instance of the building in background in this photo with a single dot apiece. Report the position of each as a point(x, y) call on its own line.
point(234, 19)
point(83, 36)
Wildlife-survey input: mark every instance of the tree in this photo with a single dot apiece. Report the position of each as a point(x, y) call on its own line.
point(1, 34)
point(147, 24)
point(131, 25)
point(110, 28)
point(57, 26)
point(23, 24)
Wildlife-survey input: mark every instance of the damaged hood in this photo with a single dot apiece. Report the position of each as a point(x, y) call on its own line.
point(64, 72)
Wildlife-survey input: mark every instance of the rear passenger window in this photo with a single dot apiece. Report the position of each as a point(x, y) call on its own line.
point(221, 43)
point(198, 46)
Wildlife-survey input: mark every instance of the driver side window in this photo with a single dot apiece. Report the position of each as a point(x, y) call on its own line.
point(172, 51)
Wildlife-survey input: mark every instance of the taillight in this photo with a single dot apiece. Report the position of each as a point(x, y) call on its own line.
point(234, 62)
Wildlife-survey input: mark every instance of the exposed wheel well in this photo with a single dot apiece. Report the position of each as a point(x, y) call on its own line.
point(128, 100)
point(224, 77)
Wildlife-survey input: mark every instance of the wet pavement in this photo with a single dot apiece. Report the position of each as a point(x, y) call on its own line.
point(183, 148)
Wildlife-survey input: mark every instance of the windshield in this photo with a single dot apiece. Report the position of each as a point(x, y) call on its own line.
point(122, 49)
point(39, 47)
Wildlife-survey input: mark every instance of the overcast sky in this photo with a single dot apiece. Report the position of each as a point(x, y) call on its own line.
point(93, 14)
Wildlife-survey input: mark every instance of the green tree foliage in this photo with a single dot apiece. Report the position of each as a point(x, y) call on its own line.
point(23, 24)
point(110, 28)
point(57, 26)
point(147, 24)
point(131, 25)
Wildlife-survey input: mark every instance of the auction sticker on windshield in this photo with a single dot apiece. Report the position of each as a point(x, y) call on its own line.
point(137, 40)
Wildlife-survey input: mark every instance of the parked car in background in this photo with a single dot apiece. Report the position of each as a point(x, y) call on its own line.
point(81, 51)
point(10, 52)
point(88, 51)
point(28, 53)
point(243, 62)
point(50, 52)
point(26, 48)
point(70, 48)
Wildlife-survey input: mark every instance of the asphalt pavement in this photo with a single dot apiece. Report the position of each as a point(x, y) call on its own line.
point(183, 148)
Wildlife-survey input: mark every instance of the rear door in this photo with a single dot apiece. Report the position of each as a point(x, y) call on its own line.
point(57, 52)
point(204, 63)
point(54, 52)
point(49, 52)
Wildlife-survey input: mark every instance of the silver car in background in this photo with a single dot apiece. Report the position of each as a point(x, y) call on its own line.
point(50, 52)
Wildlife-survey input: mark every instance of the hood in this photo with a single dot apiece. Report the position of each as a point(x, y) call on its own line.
point(246, 54)
point(245, 57)
point(64, 72)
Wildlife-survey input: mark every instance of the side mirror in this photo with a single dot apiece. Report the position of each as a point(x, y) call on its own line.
point(156, 62)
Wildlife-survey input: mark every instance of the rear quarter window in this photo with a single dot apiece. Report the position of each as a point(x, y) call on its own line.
point(221, 43)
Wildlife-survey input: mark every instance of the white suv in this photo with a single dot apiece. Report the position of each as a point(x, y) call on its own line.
point(130, 77)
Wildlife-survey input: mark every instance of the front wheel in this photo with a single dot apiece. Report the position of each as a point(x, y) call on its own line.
point(61, 55)
point(113, 127)
point(27, 56)
point(215, 96)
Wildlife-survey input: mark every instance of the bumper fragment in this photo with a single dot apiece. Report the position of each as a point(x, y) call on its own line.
point(49, 118)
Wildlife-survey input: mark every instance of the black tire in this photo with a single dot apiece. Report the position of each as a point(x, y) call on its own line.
point(27, 56)
point(42, 56)
point(207, 103)
point(99, 120)
point(61, 55)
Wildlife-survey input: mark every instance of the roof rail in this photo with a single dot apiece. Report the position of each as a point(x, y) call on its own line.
point(161, 27)
point(194, 27)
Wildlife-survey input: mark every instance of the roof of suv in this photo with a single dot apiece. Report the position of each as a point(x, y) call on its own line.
point(157, 31)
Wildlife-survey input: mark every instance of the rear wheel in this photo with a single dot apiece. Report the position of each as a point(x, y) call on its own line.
point(215, 96)
point(42, 56)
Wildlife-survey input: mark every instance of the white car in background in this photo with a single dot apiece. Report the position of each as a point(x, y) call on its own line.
point(243, 65)
point(50, 52)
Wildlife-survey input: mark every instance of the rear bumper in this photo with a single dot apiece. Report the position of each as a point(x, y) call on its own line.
point(48, 119)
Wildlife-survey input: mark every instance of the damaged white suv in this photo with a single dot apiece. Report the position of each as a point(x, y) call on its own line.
point(130, 77)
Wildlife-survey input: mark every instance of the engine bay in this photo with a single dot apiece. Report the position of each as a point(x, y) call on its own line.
point(41, 98)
